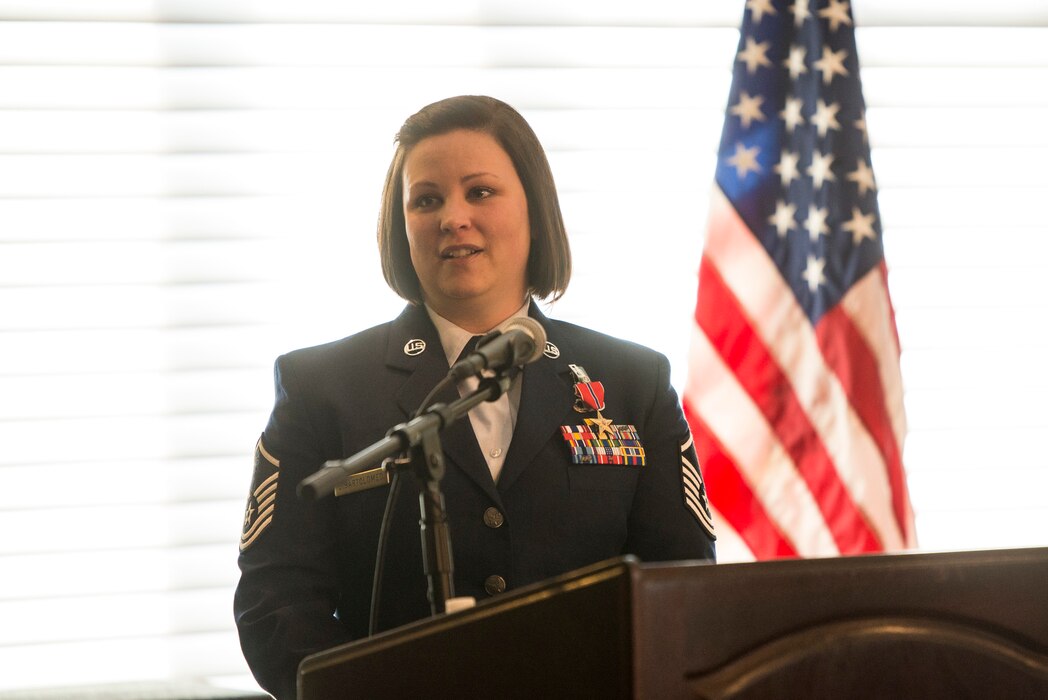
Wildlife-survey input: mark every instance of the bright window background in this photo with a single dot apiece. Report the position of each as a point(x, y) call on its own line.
point(189, 188)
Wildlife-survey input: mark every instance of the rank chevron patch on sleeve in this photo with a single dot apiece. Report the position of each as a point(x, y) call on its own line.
point(694, 488)
point(261, 504)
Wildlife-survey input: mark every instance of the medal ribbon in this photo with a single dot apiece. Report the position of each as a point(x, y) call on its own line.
point(591, 394)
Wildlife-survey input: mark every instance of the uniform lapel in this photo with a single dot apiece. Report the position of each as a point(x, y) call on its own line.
point(546, 399)
point(425, 370)
point(414, 347)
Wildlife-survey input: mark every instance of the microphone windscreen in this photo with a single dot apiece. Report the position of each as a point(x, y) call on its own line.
point(534, 329)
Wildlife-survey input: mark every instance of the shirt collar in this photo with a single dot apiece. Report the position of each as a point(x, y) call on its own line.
point(454, 338)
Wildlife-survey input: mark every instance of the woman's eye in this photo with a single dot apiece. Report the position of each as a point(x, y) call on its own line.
point(425, 201)
point(481, 192)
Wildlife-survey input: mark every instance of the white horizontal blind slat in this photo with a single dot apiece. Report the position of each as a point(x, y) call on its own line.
point(156, 570)
point(124, 482)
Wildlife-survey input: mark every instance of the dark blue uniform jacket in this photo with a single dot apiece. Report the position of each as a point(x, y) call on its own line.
point(307, 567)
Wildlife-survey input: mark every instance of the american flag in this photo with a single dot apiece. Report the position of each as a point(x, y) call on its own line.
point(794, 394)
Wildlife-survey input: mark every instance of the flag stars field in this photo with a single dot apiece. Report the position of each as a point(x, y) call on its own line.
point(837, 14)
point(860, 124)
point(831, 64)
point(791, 113)
point(755, 55)
point(748, 109)
point(814, 274)
point(795, 62)
point(784, 218)
point(816, 222)
point(860, 226)
point(745, 160)
point(759, 7)
point(825, 117)
point(800, 12)
point(787, 168)
point(820, 169)
point(862, 176)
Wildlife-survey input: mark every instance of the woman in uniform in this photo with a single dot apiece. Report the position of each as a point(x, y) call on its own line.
point(586, 457)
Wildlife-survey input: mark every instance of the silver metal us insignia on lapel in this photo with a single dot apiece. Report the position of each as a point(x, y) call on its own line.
point(415, 346)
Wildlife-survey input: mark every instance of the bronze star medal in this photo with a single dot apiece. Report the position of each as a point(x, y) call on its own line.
point(603, 426)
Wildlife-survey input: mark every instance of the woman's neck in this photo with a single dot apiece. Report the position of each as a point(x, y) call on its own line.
point(479, 317)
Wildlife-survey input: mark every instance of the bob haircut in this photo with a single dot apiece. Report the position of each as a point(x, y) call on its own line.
point(549, 260)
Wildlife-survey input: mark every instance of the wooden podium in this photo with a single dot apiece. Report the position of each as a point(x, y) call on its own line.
point(950, 625)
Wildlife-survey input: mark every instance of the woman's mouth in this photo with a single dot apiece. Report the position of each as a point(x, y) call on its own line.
point(459, 251)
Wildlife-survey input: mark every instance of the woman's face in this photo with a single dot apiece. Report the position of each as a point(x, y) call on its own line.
point(466, 216)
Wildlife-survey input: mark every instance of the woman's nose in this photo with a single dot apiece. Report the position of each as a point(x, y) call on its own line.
point(454, 216)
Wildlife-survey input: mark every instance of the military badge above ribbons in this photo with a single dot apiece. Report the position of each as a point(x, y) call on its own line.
point(261, 504)
point(599, 440)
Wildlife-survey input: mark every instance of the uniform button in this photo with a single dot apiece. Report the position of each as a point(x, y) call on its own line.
point(494, 584)
point(496, 452)
point(493, 518)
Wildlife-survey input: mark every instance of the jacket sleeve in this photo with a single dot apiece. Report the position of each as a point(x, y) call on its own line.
point(288, 591)
point(670, 517)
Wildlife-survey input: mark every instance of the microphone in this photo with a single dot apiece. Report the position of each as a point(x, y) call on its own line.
point(521, 343)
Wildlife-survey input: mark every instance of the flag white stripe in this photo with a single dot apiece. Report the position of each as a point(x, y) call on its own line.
point(730, 547)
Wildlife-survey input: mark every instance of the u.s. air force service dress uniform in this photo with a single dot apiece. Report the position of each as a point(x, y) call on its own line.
point(600, 464)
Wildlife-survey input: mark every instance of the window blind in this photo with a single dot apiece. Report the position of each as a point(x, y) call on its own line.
point(188, 189)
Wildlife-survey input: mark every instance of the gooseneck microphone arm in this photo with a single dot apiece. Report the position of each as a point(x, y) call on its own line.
point(419, 438)
point(400, 439)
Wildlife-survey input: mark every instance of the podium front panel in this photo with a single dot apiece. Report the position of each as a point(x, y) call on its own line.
point(568, 637)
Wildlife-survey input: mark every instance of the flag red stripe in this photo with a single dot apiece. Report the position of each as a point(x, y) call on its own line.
point(736, 501)
point(847, 353)
point(724, 322)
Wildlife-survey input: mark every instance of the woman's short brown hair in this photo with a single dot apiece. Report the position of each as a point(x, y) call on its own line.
point(549, 262)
